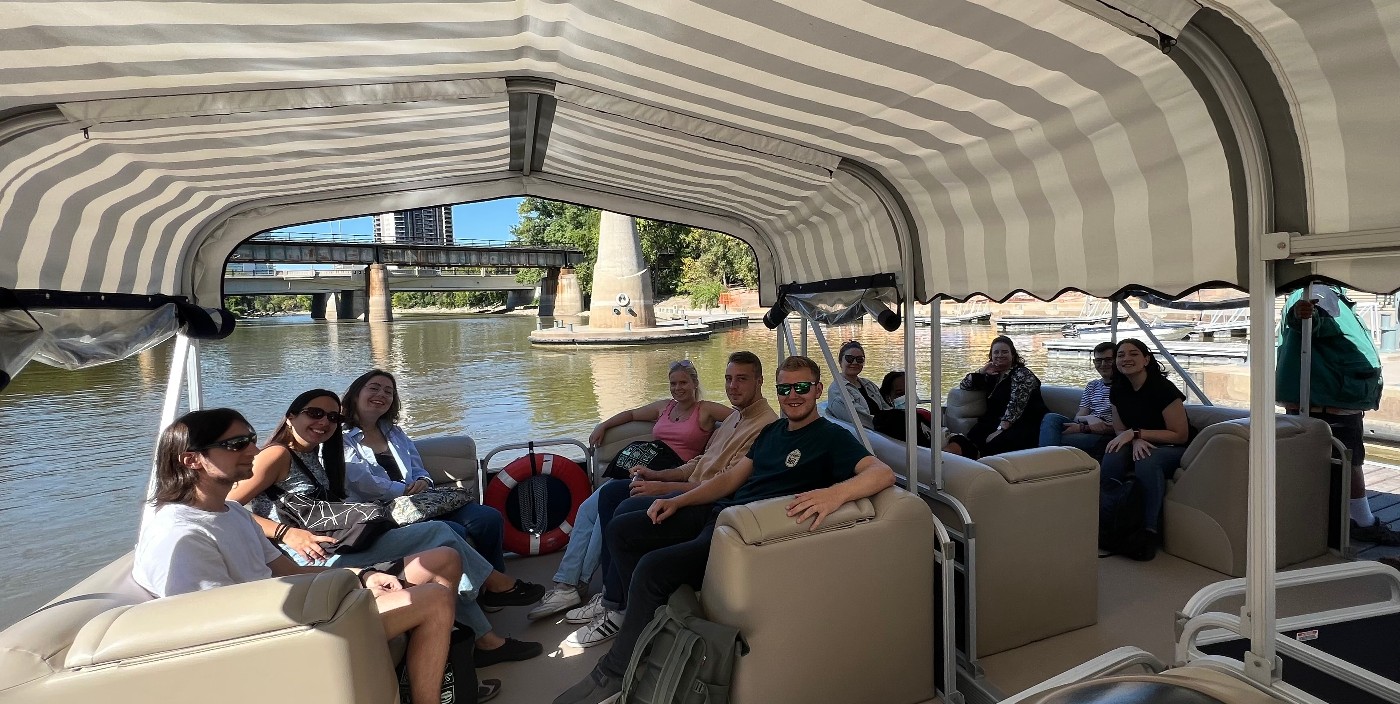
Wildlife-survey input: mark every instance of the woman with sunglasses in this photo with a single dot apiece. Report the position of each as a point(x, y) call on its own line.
point(864, 394)
point(306, 457)
point(382, 464)
point(684, 423)
point(1014, 405)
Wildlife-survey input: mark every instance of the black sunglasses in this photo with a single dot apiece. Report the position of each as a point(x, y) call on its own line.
point(233, 444)
point(801, 387)
point(852, 359)
point(315, 413)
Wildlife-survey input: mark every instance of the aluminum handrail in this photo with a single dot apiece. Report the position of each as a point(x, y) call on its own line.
point(1201, 601)
point(1335, 667)
point(481, 466)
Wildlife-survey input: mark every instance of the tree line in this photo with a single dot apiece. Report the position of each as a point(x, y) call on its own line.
point(683, 260)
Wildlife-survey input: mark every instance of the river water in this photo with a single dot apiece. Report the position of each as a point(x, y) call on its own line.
point(75, 447)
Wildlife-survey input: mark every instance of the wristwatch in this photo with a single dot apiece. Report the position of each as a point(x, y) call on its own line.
point(1137, 434)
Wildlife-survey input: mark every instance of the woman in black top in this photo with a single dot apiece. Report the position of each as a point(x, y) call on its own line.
point(1149, 415)
point(1014, 405)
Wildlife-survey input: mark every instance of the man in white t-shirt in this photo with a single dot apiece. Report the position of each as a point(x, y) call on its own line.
point(197, 540)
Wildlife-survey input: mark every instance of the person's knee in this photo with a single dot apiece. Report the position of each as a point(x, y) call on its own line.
point(437, 601)
point(442, 561)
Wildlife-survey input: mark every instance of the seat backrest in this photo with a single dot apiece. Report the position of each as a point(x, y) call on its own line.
point(449, 458)
point(618, 437)
point(866, 575)
point(1205, 515)
point(37, 646)
point(1063, 400)
point(1202, 417)
point(963, 409)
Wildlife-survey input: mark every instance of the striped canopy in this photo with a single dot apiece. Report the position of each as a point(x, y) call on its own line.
point(993, 145)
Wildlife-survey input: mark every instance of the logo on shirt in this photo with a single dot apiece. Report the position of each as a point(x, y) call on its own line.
point(793, 458)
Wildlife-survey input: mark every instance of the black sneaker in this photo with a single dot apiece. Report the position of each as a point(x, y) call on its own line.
point(522, 594)
point(1378, 533)
point(487, 690)
point(594, 688)
point(511, 651)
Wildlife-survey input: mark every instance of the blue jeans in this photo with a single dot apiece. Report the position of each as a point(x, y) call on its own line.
point(484, 528)
point(1052, 434)
point(405, 541)
point(1152, 471)
point(585, 545)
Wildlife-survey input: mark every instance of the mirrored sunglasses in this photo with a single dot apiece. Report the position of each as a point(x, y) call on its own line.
point(234, 444)
point(801, 387)
point(315, 413)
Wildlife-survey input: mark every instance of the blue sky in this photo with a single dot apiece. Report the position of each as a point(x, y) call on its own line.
point(489, 220)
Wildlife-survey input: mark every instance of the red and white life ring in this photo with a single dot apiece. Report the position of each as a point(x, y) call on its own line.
point(562, 468)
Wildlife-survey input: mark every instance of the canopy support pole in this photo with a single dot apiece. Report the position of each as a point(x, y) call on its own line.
point(181, 361)
point(1262, 663)
point(194, 387)
point(1113, 322)
point(911, 398)
point(1171, 359)
point(802, 349)
point(1305, 355)
point(935, 385)
point(845, 392)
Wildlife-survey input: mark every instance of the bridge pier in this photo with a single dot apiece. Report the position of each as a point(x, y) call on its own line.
point(318, 305)
point(518, 298)
point(349, 305)
point(381, 308)
point(568, 296)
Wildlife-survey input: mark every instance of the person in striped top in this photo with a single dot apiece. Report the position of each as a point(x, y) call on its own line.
point(1092, 425)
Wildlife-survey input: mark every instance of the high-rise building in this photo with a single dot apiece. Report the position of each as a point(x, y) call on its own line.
point(418, 226)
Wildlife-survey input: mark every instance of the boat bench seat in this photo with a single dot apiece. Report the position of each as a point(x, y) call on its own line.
point(1204, 514)
point(616, 438)
point(107, 640)
point(840, 614)
point(1036, 525)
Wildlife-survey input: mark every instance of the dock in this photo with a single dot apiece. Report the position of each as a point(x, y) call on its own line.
point(1049, 323)
point(1187, 352)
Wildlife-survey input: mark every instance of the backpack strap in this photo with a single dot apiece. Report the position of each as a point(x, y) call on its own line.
point(672, 673)
point(639, 652)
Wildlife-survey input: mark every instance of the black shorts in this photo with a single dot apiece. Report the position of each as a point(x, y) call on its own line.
point(1349, 429)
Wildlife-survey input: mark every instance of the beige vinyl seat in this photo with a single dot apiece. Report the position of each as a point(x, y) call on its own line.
point(107, 640)
point(1035, 513)
point(842, 614)
point(1205, 507)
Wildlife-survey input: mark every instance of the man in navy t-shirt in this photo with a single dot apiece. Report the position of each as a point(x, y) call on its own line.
point(658, 551)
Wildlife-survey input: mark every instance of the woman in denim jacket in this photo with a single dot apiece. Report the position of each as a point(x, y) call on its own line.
point(382, 464)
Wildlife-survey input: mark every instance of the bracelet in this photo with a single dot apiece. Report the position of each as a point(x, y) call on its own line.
point(364, 573)
point(280, 533)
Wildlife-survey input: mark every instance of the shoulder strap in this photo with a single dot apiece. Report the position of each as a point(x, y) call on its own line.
point(669, 679)
point(639, 651)
point(306, 472)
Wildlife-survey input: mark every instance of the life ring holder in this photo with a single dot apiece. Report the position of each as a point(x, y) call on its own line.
point(577, 479)
point(623, 300)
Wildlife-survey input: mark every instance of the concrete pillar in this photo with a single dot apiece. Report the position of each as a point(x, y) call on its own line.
point(622, 291)
point(568, 297)
point(519, 298)
point(381, 308)
point(549, 287)
point(318, 305)
point(348, 305)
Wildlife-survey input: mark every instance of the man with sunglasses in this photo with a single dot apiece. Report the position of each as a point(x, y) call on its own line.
point(1091, 428)
point(818, 462)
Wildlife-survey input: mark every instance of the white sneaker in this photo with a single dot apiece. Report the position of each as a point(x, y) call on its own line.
point(556, 600)
point(601, 630)
point(587, 612)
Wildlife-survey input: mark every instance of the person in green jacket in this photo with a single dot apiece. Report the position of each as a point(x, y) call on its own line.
point(1345, 382)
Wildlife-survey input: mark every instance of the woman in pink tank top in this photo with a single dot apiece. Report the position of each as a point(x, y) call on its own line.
point(683, 422)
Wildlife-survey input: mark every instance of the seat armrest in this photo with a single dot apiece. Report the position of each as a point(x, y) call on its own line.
point(212, 616)
point(767, 521)
point(1040, 463)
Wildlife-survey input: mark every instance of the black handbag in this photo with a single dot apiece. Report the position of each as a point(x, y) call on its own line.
point(354, 525)
point(651, 454)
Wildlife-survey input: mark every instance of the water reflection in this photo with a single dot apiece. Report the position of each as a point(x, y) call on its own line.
point(78, 444)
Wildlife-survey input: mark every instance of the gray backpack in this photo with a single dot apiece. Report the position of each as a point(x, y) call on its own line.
point(681, 658)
